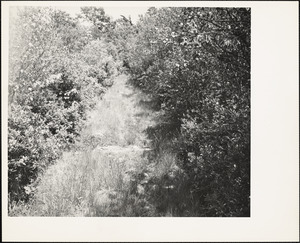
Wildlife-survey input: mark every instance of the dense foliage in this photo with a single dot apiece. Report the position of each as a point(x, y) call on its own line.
point(195, 62)
point(57, 72)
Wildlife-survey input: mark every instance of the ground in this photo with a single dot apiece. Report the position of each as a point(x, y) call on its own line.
point(95, 177)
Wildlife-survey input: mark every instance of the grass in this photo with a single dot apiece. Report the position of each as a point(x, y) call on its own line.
point(111, 171)
point(87, 184)
point(94, 178)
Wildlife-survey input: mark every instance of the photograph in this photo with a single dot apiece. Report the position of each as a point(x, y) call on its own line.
point(120, 117)
point(134, 121)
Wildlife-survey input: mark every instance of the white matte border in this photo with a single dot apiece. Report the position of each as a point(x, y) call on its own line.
point(274, 145)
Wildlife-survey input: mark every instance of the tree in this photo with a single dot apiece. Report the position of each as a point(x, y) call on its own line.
point(98, 17)
point(56, 72)
point(195, 62)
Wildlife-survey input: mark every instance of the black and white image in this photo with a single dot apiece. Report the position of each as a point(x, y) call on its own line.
point(115, 115)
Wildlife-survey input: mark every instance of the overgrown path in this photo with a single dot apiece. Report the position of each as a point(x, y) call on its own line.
point(95, 178)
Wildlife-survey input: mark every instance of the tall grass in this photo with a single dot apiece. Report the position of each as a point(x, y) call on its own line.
point(112, 171)
point(95, 177)
point(90, 183)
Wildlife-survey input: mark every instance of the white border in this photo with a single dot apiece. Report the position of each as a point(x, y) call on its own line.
point(274, 146)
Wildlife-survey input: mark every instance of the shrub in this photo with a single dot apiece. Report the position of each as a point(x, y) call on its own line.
point(56, 73)
point(195, 62)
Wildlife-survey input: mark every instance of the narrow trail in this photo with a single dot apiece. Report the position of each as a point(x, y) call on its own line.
point(93, 180)
point(119, 119)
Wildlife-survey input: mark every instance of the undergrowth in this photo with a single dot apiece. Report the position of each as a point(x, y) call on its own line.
point(181, 148)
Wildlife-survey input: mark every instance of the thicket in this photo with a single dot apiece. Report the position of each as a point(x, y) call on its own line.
point(57, 71)
point(195, 63)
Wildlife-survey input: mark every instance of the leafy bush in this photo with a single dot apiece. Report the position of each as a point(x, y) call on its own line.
point(195, 62)
point(56, 73)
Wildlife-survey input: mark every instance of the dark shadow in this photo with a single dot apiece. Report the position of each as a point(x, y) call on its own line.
point(150, 104)
point(162, 135)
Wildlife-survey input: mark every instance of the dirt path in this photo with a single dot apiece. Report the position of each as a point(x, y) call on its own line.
point(95, 180)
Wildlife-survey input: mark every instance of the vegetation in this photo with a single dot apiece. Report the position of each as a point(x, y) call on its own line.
point(57, 72)
point(192, 66)
point(195, 62)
